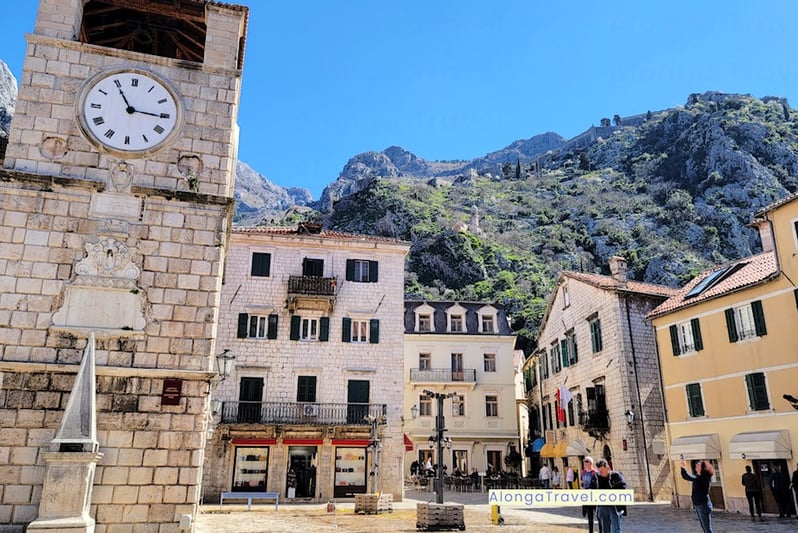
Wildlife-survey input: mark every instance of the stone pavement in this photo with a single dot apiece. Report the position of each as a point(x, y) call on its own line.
point(313, 518)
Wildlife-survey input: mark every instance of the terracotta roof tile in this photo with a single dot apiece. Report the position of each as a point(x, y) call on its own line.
point(751, 271)
point(609, 283)
point(324, 234)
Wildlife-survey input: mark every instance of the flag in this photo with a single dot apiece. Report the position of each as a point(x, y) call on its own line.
point(564, 396)
point(558, 406)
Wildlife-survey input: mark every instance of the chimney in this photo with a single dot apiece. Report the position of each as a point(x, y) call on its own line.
point(765, 233)
point(618, 268)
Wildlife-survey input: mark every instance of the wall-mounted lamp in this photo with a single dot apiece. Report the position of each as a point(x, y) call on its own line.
point(216, 406)
point(224, 363)
point(630, 416)
point(446, 442)
point(414, 411)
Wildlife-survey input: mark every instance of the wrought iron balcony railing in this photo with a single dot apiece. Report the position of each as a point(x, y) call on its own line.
point(443, 375)
point(314, 414)
point(312, 286)
point(594, 420)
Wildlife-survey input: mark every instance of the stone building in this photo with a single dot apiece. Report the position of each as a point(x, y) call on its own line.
point(728, 346)
point(311, 317)
point(115, 199)
point(597, 354)
point(463, 350)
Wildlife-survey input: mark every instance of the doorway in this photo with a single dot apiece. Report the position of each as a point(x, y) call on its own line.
point(301, 471)
point(357, 398)
point(763, 469)
point(250, 396)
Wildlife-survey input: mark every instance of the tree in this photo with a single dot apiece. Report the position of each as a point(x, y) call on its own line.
point(605, 123)
point(518, 169)
point(617, 120)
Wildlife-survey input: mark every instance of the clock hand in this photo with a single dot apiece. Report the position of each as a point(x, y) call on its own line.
point(130, 109)
point(159, 115)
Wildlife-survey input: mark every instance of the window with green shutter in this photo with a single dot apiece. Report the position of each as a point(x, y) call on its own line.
point(695, 403)
point(261, 264)
point(757, 391)
point(595, 335)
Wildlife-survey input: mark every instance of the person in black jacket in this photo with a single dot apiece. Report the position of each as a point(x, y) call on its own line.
point(700, 493)
point(609, 516)
point(753, 492)
point(780, 486)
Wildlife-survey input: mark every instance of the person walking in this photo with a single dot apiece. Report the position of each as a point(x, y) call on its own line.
point(780, 487)
point(700, 493)
point(609, 516)
point(544, 475)
point(753, 492)
point(555, 478)
point(569, 477)
point(588, 481)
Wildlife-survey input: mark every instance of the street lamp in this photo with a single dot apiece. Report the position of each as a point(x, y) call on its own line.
point(376, 447)
point(224, 363)
point(439, 439)
point(630, 416)
point(414, 411)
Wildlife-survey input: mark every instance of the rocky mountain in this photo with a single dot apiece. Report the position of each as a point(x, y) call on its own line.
point(8, 100)
point(259, 201)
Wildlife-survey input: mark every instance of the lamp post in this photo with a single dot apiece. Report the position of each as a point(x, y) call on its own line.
point(439, 439)
point(224, 363)
point(376, 448)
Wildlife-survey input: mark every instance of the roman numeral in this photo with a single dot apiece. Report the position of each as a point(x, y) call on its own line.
point(162, 101)
point(98, 121)
point(146, 140)
point(103, 92)
point(150, 89)
point(118, 83)
point(158, 129)
point(134, 82)
point(165, 115)
point(127, 139)
point(96, 106)
point(109, 133)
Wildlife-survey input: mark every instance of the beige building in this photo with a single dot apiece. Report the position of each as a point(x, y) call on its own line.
point(597, 353)
point(463, 350)
point(311, 317)
point(728, 344)
point(115, 195)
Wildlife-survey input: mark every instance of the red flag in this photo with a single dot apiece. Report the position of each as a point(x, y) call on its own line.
point(558, 406)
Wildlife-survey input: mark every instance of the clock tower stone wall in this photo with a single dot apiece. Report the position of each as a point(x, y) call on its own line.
point(128, 246)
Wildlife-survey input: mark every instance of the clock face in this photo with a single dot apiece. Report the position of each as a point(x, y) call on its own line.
point(129, 111)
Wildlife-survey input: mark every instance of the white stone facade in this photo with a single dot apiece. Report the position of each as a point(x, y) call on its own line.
point(623, 363)
point(317, 423)
point(450, 349)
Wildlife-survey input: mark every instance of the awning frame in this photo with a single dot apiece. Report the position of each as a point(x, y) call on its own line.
point(773, 444)
point(691, 447)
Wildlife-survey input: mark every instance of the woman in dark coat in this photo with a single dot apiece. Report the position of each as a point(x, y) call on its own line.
point(700, 495)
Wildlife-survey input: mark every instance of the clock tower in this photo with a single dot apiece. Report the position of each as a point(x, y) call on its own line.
point(116, 196)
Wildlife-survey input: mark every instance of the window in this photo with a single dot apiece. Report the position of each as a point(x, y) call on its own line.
point(424, 406)
point(456, 323)
point(695, 403)
point(424, 361)
point(595, 334)
point(556, 362)
point(570, 342)
point(487, 323)
point(313, 267)
point(310, 329)
point(571, 421)
point(489, 360)
point(424, 323)
point(566, 298)
point(360, 330)
point(260, 264)
point(457, 367)
point(686, 337)
point(491, 405)
point(361, 270)
point(544, 365)
point(458, 405)
point(257, 326)
point(306, 389)
point(597, 407)
point(757, 391)
point(745, 322)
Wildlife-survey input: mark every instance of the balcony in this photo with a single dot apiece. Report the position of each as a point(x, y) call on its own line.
point(443, 375)
point(595, 423)
point(311, 293)
point(313, 414)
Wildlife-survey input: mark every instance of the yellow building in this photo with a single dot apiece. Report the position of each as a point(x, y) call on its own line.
point(728, 348)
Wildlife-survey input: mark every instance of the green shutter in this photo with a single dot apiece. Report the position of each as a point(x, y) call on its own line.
point(324, 328)
point(346, 328)
point(564, 353)
point(271, 332)
point(350, 269)
point(694, 399)
point(697, 340)
point(296, 323)
point(373, 271)
point(757, 391)
point(374, 331)
point(261, 263)
point(675, 340)
point(243, 325)
point(759, 318)
point(731, 328)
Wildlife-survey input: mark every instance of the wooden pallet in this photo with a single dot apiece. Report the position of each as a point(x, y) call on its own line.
point(373, 503)
point(439, 517)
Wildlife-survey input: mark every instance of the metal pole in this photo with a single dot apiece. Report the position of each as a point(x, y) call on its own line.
point(439, 427)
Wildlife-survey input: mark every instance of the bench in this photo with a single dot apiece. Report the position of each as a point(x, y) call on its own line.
point(249, 496)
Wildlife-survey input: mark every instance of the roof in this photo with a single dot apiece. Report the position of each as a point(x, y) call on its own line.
point(439, 325)
point(777, 203)
point(611, 284)
point(312, 230)
point(731, 278)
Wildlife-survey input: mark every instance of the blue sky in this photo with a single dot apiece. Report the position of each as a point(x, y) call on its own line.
point(456, 79)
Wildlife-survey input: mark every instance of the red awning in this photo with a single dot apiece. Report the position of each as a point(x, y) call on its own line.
point(408, 444)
